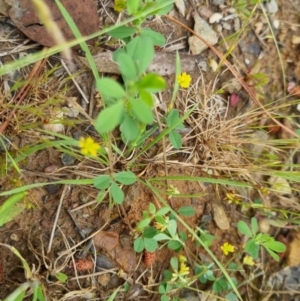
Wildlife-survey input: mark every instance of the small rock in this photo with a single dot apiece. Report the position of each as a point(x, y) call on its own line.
point(215, 18)
point(46, 223)
point(67, 159)
point(203, 29)
point(276, 23)
point(205, 12)
point(114, 282)
point(271, 7)
point(5, 144)
point(295, 40)
point(254, 49)
point(103, 263)
point(52, 189)
point(226, 26)
point(104, 279)
point(236, 24)
point(220, 217)
point(14, 237)
point(218, 2)
point(51, 169)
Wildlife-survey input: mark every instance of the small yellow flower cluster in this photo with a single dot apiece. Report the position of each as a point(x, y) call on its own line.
point(119, 5)
point(184, 270)
point(227, 248)
point(232, 197)
point(88, 146)
point(248, 260)
point(162, 227)
point(184, 80)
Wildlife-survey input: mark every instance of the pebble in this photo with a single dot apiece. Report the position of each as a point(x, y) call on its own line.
point(104, 279)
point(52, 189)
point(5, 144)
point(203, 29)
point(254, 49)
point(271, 7)
point(67, 159)
point(215, 18)
point(205, 12)
point(14, 237)
point(226, 26)
point(295, 40)
point(51, 169)
point(218, 2)
point(237, 24)
point(104, 263)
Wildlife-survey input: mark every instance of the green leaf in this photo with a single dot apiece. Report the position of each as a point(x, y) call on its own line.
point(110, 88)
point(174, 263)
point(186, 211)
point(231, 297)
point(276, 246)
point(161, 236)
point(162, 211)
point(150, 244)
point(156, 37)
point(117, 193)
point(163, 11)
point(132, 6)
point(254, 225)
point(127, 66)
point(125, 177)
point(122, 32)
point(252, 248)
point(132, 48)
point(102, 181)
point(139, 245)
point(113, 295)
point(152, 83)
point(144, 54)
point(149, 232)
point(174, 245)
point(244, 229)
point(100, 196)
point(39, 292)
point(173, 118)
point(172, 227)
point(61, 277)
point(10, 209)
point(273, 254)
point(129, 128)
point(152, 208)
point(141, 111)
point(143, 223)
point(109, 118)
point(147, 98)
point(175, 139)
point(219, 285)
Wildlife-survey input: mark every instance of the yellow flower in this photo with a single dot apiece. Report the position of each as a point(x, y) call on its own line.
point(119, 5)
point(233, 198)
point(88, 146)
point(184, 269)
point(162, 227)
point(184, 80)
point(248, 260)
point(182, 258)
point(226, 248)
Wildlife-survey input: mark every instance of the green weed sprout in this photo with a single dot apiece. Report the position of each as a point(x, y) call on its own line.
point(259, 239)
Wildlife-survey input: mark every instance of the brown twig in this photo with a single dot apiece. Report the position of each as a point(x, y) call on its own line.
point(235, 73)
point(23, 92)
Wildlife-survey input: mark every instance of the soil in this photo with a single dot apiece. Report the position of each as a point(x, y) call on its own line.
point(211, 151)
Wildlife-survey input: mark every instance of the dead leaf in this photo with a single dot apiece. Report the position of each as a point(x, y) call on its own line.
point(220, 216)
point(83, 13)
point(106, 240)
